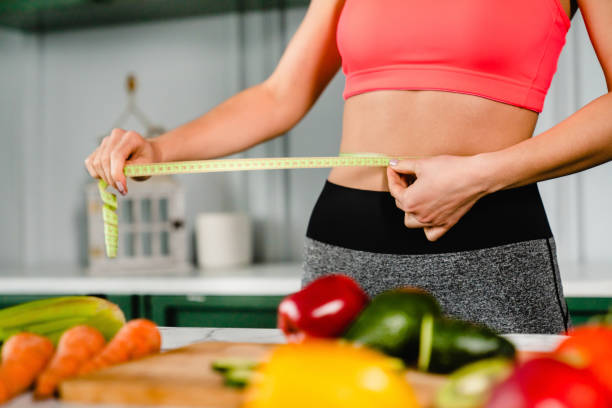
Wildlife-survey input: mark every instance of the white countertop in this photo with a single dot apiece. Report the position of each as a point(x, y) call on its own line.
point(178, 337)
point(174, 337)
point(267, 279)
point(592, 280)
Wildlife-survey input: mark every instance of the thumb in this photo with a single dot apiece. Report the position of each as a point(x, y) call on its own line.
point(138, 160)
point(407, 166)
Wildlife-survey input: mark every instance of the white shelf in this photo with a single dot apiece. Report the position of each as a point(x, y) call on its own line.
point(267, 279)
point(591, 280)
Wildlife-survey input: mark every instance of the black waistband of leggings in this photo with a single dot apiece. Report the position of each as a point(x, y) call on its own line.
point(370, 221)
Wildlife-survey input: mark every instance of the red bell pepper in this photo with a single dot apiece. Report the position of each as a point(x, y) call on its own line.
point(324, 308)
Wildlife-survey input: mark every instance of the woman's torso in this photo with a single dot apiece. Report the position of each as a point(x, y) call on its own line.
point(424, 123)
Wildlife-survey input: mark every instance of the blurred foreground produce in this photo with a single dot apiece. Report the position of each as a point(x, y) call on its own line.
point(408, 323)
point(24, 356)
point(471, 385)
point(546, 382)
point(447, 344)
point(137, 339)
point(391, 323)
point(51, 317)
point(324, 308)
point(589, 347)
point(325, 373)
point(237, 372)
point(602, 319)
point(76, 346)
point(27, 357)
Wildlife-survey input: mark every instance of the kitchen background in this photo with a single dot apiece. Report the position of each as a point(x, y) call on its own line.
point(61, 89)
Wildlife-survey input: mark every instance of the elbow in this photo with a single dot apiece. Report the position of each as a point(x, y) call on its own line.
point(288, 107)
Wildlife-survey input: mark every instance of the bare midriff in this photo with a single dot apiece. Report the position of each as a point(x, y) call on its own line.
point(424, 123)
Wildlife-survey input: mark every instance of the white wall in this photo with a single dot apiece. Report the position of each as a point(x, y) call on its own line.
point(13, 58)
point(183, 68)
point(73, 92)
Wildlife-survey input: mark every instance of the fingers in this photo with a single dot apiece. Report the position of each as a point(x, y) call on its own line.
point(118, 156)
point(89, 164)
point(435, 233)
point(407, 166)
point(98, 160)
point(432, 232)
point(411, 221)
point(108, 160)
point(107, 148)
point(97, 163)
point(396, 183)
point(100, 165)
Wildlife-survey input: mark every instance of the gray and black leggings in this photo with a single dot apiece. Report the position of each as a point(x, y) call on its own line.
point(497, 266)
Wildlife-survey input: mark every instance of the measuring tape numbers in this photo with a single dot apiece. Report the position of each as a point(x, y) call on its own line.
point(109, 209)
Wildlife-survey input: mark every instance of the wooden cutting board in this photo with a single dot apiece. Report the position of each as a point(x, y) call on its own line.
point(183, 377)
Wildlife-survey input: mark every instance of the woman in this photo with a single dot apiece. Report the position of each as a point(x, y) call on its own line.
point(458, 85)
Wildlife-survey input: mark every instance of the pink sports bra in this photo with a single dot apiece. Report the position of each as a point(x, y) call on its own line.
point(502, 50)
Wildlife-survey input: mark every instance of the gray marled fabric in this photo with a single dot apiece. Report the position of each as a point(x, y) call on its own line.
point(513, 288)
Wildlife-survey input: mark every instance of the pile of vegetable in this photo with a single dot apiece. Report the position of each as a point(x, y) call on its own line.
point(330, 323)
point(51, 317)
point(578, 374)
point(406, 323)
point(80, 326)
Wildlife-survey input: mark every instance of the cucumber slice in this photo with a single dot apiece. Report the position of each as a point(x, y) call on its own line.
point(471, 385)
point(426, 342)
point(233, 363)
point(238, 378)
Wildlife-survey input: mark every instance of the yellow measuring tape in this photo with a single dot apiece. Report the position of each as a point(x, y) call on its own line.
point(109, 209)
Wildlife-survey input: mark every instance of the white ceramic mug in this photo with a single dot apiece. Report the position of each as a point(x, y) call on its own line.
point(223, 240)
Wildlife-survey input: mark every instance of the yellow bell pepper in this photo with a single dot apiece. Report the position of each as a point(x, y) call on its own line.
point(328, 374)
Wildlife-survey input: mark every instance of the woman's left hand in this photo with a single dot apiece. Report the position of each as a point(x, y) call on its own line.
point(436, 192)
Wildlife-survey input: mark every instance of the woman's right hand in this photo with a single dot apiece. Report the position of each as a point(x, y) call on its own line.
point(117, 149)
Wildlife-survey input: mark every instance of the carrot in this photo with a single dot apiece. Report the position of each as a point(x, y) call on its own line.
point(138, 338)
point(76, 346)
point(24, 356)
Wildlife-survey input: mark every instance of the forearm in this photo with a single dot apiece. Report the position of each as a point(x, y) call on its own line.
point(246, 119)
point(581, 141)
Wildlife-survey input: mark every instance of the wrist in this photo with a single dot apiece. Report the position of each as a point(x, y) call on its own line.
point(158, 150)
point(489, 168)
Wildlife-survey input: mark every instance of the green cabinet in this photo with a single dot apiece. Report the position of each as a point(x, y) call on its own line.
point(46, 15)
point(260, 311)
point(581, 309)
point(244, 311)
point(12, 300)
point(186, 311)
point(213, 311)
